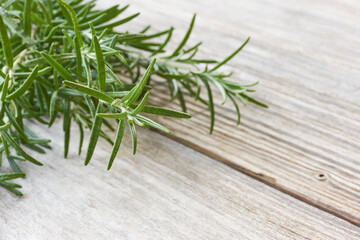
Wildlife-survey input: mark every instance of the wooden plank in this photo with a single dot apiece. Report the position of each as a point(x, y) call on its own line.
point(168, 191)
point(306, 56)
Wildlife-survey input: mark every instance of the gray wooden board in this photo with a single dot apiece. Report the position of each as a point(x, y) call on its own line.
point(168, 191)
point(306, 56)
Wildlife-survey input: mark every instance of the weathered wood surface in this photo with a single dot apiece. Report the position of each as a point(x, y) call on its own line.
point(306, 55)
point(168, 191)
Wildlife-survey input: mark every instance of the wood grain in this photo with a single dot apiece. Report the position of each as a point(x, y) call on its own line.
point(306, 55)
point(168, 191)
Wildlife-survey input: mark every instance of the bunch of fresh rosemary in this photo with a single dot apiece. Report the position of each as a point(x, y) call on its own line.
point(64, 57)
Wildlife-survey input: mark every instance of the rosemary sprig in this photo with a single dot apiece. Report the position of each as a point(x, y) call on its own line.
point(65, 57)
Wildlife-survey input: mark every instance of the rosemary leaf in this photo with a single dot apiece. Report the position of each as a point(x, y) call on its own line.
point(133, 136)
point(9, 176)
point(6, 46)
point(94, 135)
point(99, 60)
point(25, 86)
point(117, 143)
point(57, 66)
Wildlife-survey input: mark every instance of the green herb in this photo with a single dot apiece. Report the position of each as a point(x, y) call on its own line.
point(63, 57)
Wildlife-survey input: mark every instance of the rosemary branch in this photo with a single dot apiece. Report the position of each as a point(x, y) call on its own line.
point(64, 58)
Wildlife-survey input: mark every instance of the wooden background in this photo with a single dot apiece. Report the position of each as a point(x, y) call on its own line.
point(306, 55)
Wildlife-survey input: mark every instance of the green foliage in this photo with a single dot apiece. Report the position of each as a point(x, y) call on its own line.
point(63, 57)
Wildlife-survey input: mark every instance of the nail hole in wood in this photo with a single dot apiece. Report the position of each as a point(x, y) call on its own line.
point(321, 177)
